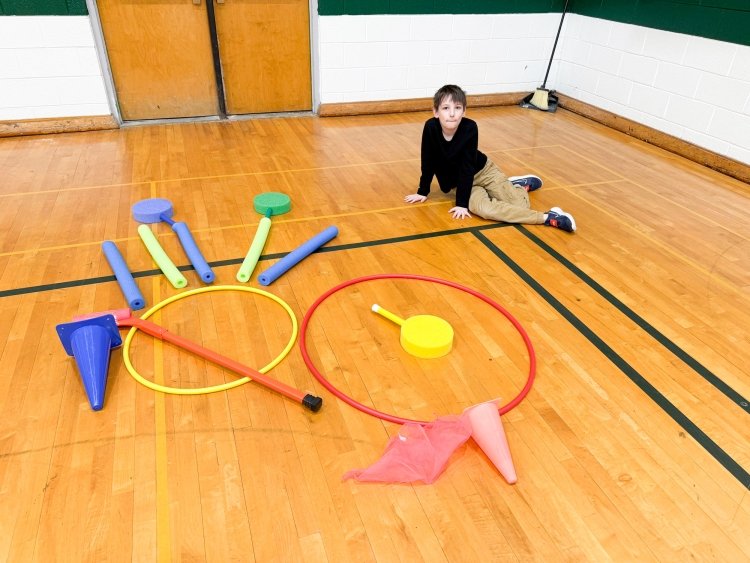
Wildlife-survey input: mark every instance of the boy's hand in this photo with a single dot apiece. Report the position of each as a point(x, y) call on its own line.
point(459, 212)
point(415, 198)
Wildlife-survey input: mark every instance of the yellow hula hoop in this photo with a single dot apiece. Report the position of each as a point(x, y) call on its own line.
point(225, 386)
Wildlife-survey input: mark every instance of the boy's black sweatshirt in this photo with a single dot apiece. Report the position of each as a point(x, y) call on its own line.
point(454, 162)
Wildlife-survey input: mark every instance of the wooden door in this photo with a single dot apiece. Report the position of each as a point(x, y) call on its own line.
point(160, 52)
point(160, 55)
point(265, 55)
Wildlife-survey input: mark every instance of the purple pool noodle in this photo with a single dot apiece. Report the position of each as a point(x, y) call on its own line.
point(299, 253)
point(193, 253)
point(127, 284)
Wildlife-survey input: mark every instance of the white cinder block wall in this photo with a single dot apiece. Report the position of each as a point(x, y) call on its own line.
point(364, 58)
point(693, 88)
point(49, 67)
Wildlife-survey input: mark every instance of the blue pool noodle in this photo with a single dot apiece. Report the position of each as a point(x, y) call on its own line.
point(127, 284)
point(299, 253)
point(193, 253)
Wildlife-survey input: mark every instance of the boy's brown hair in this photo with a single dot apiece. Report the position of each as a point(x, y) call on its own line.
point(449, 91)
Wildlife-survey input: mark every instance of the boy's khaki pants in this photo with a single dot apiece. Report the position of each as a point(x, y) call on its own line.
point(495, 198)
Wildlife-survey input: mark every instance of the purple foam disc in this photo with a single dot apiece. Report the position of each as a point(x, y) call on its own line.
point(152, 210)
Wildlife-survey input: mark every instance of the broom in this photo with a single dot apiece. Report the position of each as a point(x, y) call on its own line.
point(540, 99)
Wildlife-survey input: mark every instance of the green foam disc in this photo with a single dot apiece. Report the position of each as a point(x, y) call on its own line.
point(275, 202)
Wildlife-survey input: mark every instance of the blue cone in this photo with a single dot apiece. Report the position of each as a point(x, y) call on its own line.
point(90, 342)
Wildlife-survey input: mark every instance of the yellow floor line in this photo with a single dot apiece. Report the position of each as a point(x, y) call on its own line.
point(679, 257)
point(212, 177)
point(276, 220)
point(240, 174)
point(163, 532)
point(74, 189)
point(740, 233)
point(230, 227)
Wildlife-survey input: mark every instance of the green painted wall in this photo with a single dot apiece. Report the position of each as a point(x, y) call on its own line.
point(43, 8)
point(370, 7)
point(726, 20)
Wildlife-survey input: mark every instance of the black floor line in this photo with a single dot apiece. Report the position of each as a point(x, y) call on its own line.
point(737, 471)
point(234, 261)
point(686, 358)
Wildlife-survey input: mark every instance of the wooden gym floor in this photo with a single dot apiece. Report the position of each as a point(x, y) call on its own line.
point(632, 444)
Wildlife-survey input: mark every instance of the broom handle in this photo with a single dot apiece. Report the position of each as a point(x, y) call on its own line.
point(549, 66)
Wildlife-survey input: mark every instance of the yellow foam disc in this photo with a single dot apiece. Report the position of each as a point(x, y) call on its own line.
point(426, 336)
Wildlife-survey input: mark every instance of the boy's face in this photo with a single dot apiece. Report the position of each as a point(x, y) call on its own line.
point(449, 113)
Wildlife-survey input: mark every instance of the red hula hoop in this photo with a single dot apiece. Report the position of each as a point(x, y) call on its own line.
point(389, 417)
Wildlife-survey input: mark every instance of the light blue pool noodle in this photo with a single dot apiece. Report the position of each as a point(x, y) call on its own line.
point(251, 259)
point(296, 255)
point(167, 267)
point(129, 289)
point(193, 253)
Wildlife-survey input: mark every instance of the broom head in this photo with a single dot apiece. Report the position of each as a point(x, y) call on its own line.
point(540, 99)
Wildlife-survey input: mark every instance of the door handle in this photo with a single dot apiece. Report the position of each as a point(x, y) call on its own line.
point(219, 1)
point(197, 2)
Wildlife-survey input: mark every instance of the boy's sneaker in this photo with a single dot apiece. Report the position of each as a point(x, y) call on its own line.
point(557, 218)
point(529, 181)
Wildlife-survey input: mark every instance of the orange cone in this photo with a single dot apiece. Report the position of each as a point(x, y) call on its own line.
point(487, 431)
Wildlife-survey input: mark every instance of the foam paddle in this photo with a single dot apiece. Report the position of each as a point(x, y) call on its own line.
point(423, 336)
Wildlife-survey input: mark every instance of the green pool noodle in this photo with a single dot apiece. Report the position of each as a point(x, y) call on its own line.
point(251, 260)
point(167, 267)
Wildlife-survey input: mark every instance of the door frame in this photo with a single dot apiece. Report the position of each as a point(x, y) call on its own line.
point(109, 81)
point(103, 55)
